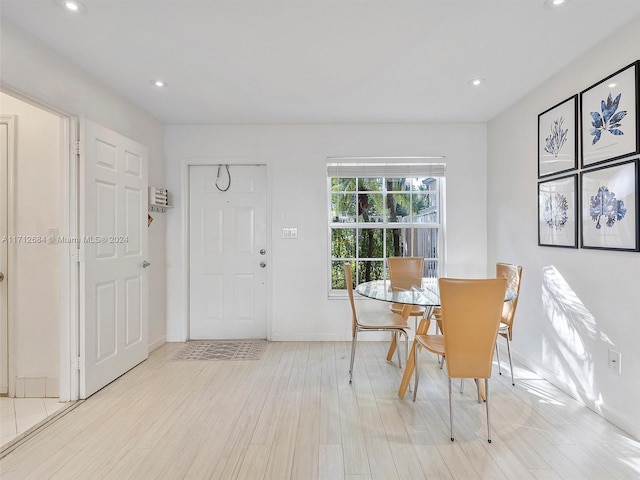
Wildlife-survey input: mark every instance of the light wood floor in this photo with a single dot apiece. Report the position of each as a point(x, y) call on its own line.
point(294, 415)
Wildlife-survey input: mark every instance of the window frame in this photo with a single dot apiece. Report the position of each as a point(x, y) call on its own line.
point(383, 225)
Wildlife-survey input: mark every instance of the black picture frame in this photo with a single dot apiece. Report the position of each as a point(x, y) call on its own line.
point(609, 207)
point(558, 212)
point(609, 118)
point(558, 138)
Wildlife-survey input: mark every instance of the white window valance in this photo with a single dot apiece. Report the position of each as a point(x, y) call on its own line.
point(373, 169)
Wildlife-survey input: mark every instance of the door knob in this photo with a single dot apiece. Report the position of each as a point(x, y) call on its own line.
point(263, 251)
point(1, 276)
point(145, 264)
point(263, 264)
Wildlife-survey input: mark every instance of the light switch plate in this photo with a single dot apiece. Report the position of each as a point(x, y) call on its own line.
point(289, 232)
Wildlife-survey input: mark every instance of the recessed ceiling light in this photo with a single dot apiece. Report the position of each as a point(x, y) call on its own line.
point(612, 85)
point(158, 83)
point(477, 81)
point(72, 6)
point(554, 3)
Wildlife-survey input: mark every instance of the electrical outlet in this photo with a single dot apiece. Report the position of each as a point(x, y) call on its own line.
point(615, 361)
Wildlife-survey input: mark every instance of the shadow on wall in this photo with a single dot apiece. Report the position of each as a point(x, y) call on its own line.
point(569, 355)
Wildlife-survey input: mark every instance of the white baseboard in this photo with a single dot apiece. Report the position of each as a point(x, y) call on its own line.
point(157, 343)
point(296, 337)
point(321, 337)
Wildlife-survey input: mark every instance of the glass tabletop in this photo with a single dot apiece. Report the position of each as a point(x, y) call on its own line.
point(425, 294)
point(408, 292)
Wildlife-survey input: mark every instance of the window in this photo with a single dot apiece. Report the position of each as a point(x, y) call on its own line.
point(379, 211)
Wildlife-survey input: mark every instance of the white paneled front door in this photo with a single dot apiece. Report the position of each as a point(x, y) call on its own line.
point(113, 280)
point(228, 257)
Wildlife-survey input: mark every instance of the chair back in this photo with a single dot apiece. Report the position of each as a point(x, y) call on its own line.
point(405, 271)
point(471, 311)
point(348, 278)
point(513, 274)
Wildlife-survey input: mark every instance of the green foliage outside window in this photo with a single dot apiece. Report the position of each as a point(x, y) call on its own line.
point(375, 218)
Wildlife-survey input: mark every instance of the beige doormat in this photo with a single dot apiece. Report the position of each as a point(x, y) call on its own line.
point(222, 350)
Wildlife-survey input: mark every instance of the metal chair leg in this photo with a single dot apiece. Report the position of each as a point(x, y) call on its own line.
point(510, 363)
point(416, 372)
point(353, 354)
point(498, 357)
point(486, 388)
point(450, 409)
point(406, 353)
point(406, 348)
point(398, 350)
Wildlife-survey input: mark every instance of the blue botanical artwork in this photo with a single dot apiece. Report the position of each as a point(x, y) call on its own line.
point(604, 205)
point(555, 211)
point(557, 138)
point(609, 120)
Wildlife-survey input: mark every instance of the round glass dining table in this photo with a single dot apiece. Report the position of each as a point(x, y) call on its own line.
point(408, 293)
point(402, 291)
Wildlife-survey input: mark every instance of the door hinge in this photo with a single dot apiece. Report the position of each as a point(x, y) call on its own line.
point(75, 148)
point(76, 363)
point(76, 256)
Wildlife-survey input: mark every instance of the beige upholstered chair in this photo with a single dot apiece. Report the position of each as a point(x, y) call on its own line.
point(404, 272)
point(513, 274)
point(377, 322)
point(471, 310)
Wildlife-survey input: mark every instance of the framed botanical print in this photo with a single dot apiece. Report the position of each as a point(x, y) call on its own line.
point(558, 212)
point(558, 138)
point(609, 212)
point(609, 118)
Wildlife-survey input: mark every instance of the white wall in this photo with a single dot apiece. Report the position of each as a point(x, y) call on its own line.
point(38, 304)
point(296, 159)
point(575, 304)
point(32, 69)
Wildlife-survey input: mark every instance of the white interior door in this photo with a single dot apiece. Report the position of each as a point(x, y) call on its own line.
point(228, 257)
point(113, 280)
point(4, 330)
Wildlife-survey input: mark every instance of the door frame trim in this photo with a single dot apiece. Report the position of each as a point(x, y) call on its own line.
point(10, 121)
point(186, 231)
point(68, 339)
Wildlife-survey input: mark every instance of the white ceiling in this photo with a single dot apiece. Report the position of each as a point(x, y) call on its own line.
point(322, 61)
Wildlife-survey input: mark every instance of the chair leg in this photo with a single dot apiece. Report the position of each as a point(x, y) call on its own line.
point(416, 371)
point(486, 388)
point(395, 334)
point(498, 357)
point(462, 385)
point(392, 347)
point(406, 347)
point(353, 354)
point(510, 363)
point(450, 409)
point(406, 354)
